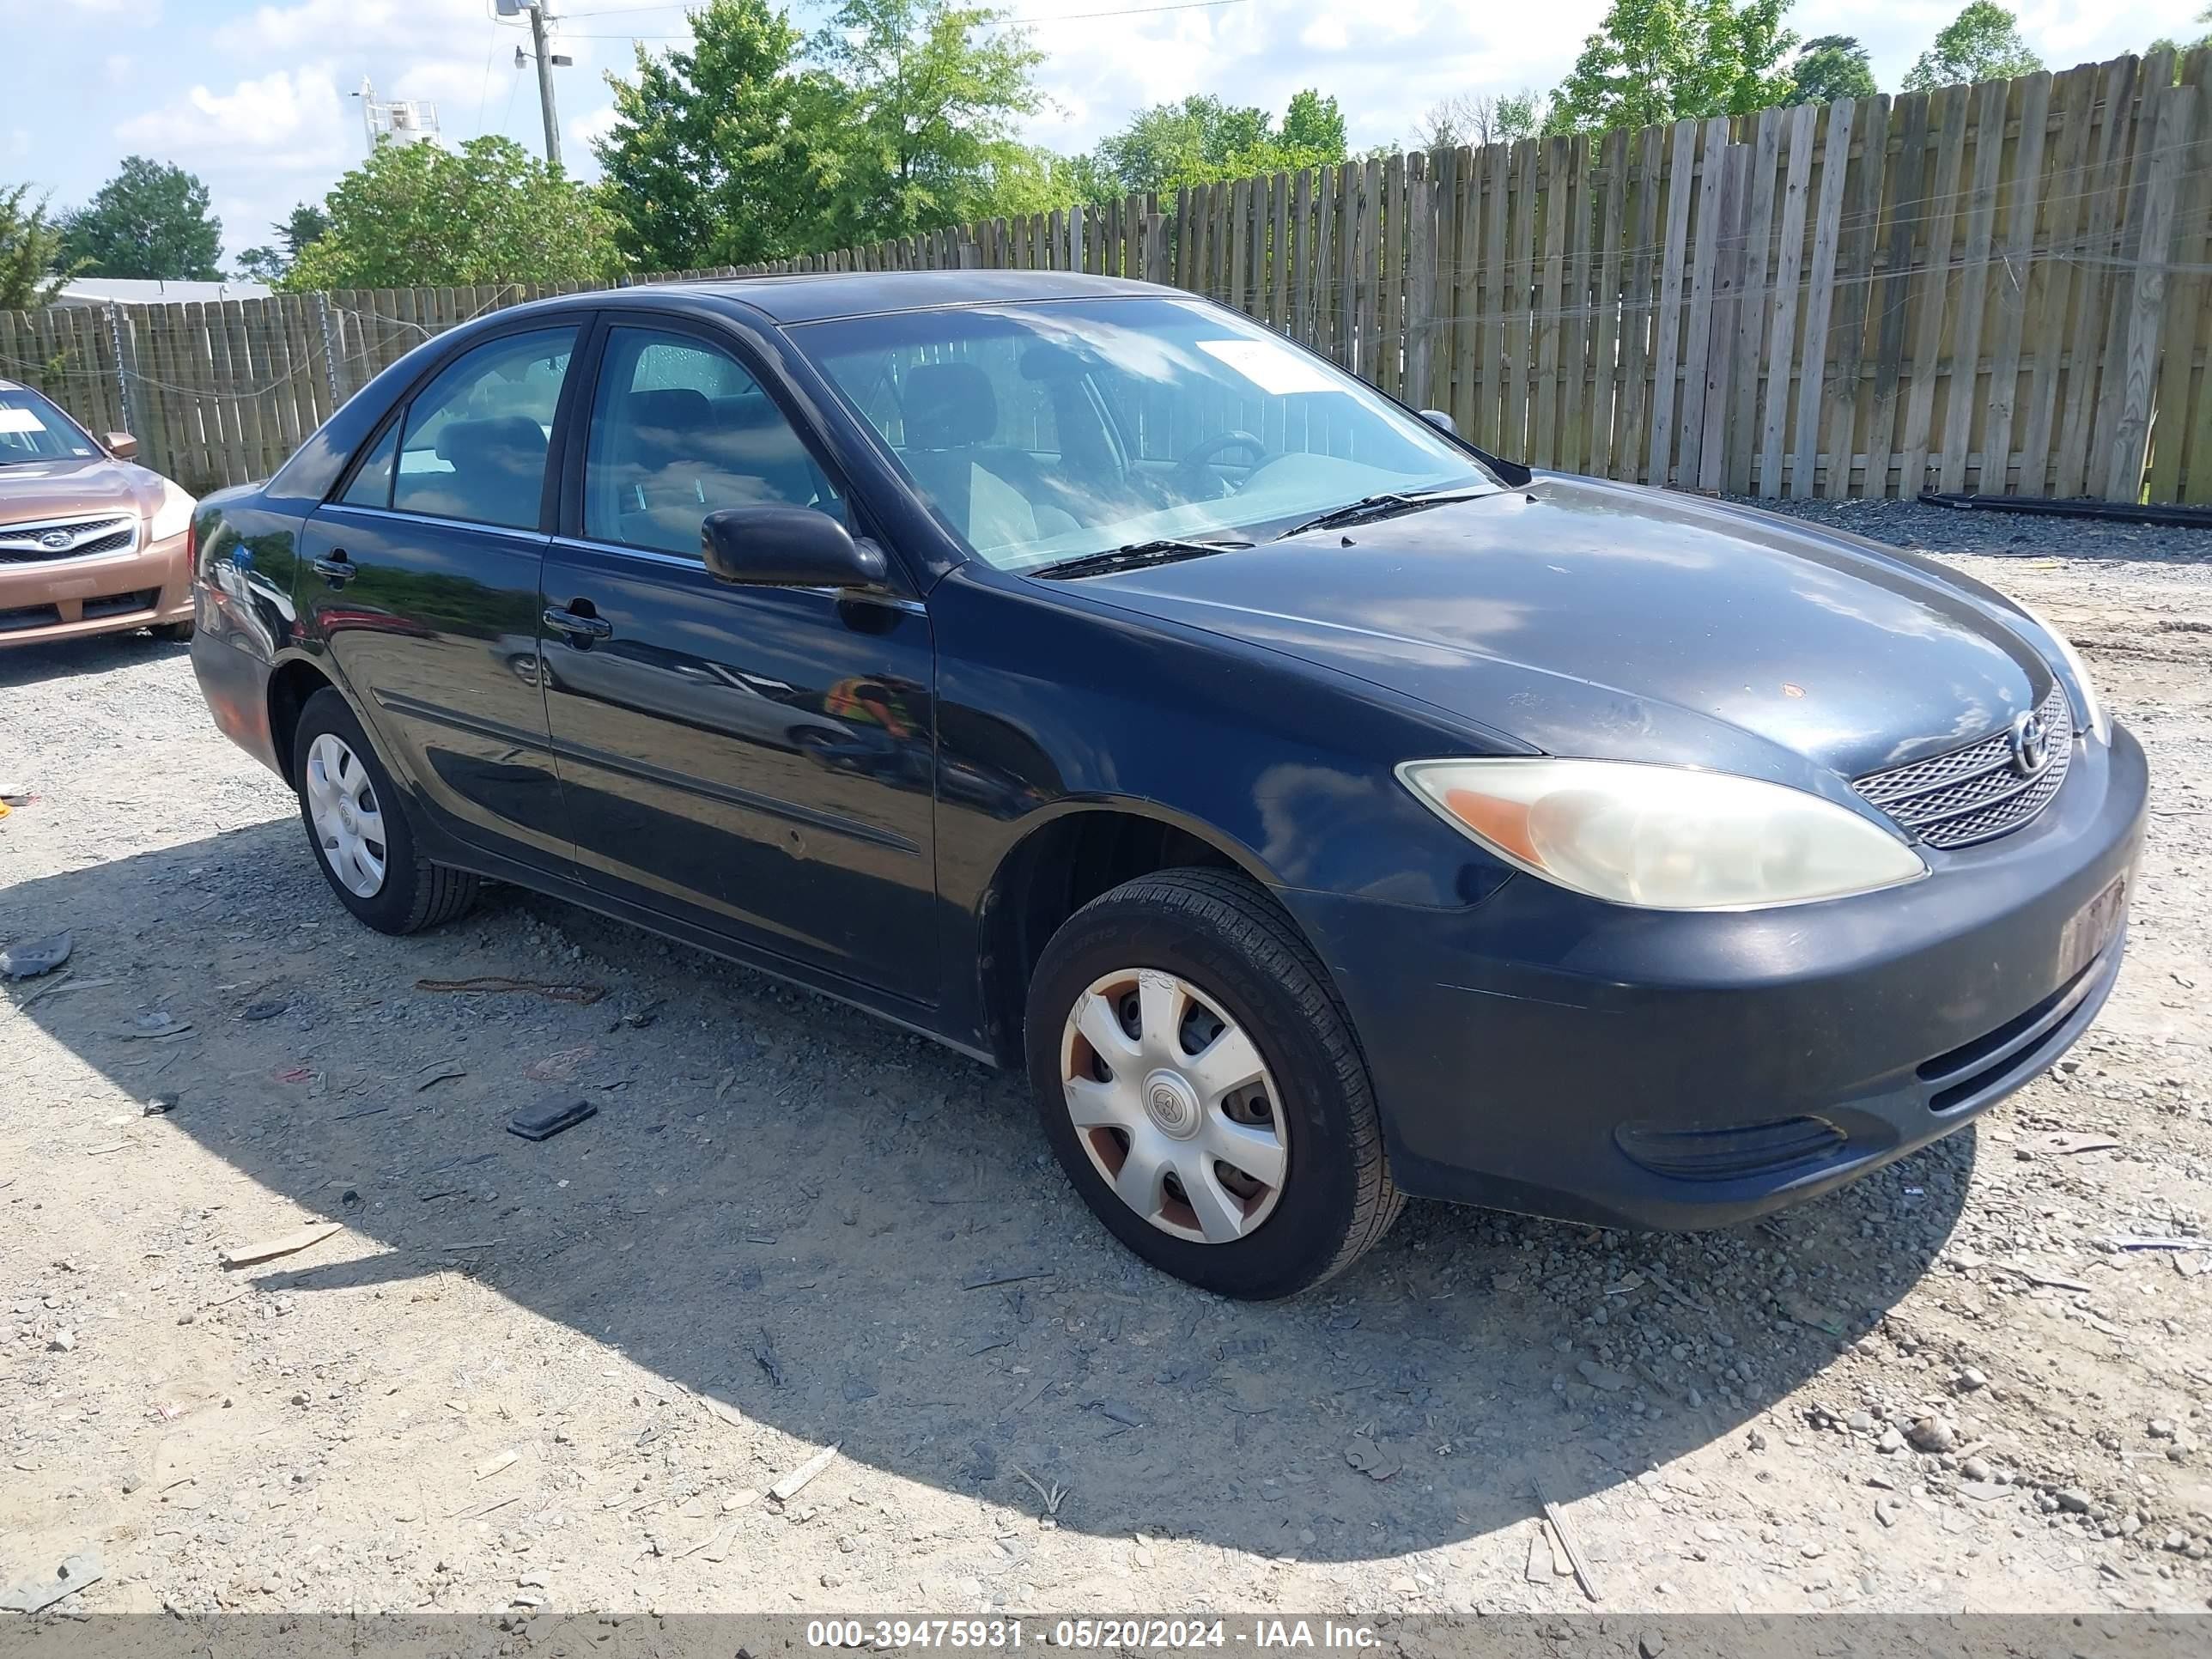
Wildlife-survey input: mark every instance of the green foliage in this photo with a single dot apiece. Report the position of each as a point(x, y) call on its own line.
point(1315, 123)
point(305, 225)
point(1832, 69)
point(712, 155)
point(414, 214)
point(148, 221)
point(262, 264)
point(1982, 43)
point(1201, 139)
point(31, 268)
point(1671, 60)
point(1037, 180)
point(917, 115)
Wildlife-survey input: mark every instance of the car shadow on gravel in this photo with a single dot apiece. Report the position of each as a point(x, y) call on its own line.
point(852, 1236)
point(34, 665)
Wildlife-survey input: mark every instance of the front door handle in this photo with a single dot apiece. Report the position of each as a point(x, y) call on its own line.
point(582, 629)
point(336, 565)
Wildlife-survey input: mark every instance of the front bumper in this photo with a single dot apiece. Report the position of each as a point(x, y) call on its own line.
point(65, 599)
point(1550, 1054)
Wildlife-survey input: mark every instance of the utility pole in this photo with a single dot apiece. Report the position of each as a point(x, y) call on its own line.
point(548, 61)
point(545, 84)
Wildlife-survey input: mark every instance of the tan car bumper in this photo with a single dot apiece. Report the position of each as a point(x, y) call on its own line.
point(67, 598)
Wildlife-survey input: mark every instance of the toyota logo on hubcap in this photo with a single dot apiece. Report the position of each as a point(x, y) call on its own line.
point(2031, 746)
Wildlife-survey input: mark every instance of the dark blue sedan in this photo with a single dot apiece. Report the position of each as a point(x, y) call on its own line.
point(1321, 809)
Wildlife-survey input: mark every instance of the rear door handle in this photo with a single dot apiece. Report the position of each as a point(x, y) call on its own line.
point(579, 628)
point(339, 568)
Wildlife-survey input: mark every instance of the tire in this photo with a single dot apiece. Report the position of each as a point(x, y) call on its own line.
point(172, 633)
point(413, 892)
point(1240, 964)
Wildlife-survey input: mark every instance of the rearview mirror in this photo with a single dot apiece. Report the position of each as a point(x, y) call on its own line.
point(1442, 421)
point(123, 446)
point(778, 545)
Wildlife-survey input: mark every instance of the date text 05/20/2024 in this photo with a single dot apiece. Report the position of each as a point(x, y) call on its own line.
point(993, 1635)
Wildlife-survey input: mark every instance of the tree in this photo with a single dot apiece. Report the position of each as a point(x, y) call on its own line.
point(149, 219)
point(32, 267)
point(1480, 118)
point(1201, 139)
point(1830, 69)
point(1314, 123)
point(304, 225)
point(711, 158)
point(917, 111)
point(414, 214)
point(1982, 43)
point(1669, 60)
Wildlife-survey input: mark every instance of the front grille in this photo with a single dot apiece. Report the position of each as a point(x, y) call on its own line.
point(1974, 793)
point(106, 532)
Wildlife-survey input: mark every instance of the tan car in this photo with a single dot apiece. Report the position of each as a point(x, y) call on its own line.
point(90, 542)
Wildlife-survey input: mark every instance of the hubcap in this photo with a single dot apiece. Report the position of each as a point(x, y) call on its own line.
point(348, 823)
point(1174, 1106)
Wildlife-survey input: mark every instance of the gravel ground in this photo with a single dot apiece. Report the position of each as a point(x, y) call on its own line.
point(567, 1374)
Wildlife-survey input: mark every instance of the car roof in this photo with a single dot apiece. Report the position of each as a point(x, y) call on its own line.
point(816, 297)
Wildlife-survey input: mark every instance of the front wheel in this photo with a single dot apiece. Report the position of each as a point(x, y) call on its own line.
point(179, 633)
point(359, 830)
point(1199, 1081)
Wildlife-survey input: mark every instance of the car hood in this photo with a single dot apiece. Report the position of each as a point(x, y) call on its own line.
point(1584, 618)
point(53, 490)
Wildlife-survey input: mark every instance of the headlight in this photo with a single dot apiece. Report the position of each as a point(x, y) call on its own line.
point(2092, 707)
point(175, 515)
point(1663, 837)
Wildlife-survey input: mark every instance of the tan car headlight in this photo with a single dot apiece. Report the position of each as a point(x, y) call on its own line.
point(172, 517)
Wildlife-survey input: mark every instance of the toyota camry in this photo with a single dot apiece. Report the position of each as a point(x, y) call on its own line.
point(1318, 809)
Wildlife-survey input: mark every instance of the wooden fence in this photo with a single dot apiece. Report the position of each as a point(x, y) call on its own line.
point(2000, 288)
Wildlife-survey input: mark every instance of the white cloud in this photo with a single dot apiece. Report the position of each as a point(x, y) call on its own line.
point(1326, 34)
point(585, 131)
point(287, 118)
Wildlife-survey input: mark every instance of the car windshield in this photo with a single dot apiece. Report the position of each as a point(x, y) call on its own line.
point(32, 429)
point(1060, 430)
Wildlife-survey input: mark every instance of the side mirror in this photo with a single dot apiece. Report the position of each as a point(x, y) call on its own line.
point(1441, 420)
point(778, 545)
point(123, 446)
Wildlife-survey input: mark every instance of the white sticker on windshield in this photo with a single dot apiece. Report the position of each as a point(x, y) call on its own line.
point(1274, 369)
point(19, 420)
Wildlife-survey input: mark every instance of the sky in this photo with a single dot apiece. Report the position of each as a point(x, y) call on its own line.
point(258, 98)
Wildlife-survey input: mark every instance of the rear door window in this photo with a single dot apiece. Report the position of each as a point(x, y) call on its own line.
point(474, 442)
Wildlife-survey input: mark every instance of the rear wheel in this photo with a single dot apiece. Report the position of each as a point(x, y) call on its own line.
point(359, 830)
point(1201, 1084)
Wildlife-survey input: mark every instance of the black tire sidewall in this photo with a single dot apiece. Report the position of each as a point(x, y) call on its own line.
point(1300, 1239)
point(390, 909)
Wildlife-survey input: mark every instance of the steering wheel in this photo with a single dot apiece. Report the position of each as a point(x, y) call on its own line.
point(1189, 473)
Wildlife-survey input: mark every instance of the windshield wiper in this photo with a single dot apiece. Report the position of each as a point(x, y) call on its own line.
point(1134, 555)
point(1386, 505)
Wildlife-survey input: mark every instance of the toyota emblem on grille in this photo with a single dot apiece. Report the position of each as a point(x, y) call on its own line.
point(56, 539)
point(2030, 746)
